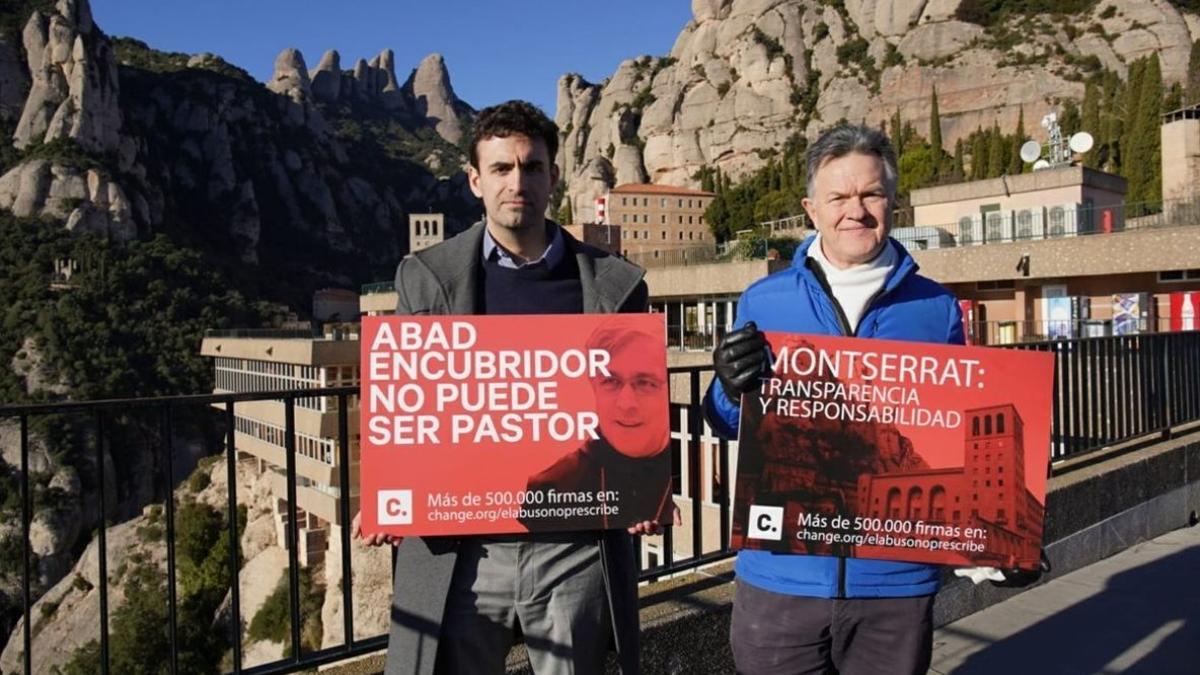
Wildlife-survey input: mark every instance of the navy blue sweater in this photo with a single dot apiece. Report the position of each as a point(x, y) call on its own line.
point(532, 290)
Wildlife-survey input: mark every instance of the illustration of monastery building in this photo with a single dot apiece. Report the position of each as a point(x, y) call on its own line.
point(989, 492)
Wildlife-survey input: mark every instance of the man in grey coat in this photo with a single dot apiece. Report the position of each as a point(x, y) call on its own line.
point(458, 602)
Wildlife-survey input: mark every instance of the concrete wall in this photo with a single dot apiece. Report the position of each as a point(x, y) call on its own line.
point(1148, 250)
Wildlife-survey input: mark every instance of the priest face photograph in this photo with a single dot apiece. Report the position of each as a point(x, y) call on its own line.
point(627, 467)
point(630, 399)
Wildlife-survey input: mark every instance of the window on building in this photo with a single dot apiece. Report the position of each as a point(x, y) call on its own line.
point(998, 285)
point(689, 220)
point(975, 428)
point(664, 218)
point(664, 235)
point(999, 482)
point(645, 234)
point(1000, 423)
point(987, 426)
point(1172, 276)
point(681, 203)
point(662, 202)
point(623, 202)
point(1000, 515)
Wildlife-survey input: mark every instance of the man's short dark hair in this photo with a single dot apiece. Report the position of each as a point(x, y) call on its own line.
point(845, 139)
point(513, 118)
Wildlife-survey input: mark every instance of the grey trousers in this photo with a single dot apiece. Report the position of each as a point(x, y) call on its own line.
point(551, 587)
point(780, 634)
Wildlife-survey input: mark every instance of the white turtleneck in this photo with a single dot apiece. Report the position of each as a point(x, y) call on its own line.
point(854, 286)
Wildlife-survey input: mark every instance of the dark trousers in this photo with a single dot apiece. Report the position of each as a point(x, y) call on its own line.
point(780, 634)
point(551, 586)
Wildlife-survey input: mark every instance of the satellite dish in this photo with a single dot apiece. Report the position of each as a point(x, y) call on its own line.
point(1081, 142)
point(1040, 164)
point(1031, 149)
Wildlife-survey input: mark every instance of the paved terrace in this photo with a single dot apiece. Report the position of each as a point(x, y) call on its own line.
point(1136, 612)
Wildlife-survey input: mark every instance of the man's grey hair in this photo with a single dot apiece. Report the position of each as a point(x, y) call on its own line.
point(846, 139)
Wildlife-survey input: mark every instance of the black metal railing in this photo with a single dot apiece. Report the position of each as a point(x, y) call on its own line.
point(1107, 391)
point(1111, 390)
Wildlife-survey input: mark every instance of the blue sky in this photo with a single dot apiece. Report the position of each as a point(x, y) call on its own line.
point(494, 50)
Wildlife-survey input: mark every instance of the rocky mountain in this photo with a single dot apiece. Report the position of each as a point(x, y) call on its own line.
point(746, 75)
point(275, 188)
point(66, 615)
point(312, 174)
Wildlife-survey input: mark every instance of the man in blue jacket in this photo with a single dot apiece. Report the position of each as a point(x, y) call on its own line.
point(817, 614)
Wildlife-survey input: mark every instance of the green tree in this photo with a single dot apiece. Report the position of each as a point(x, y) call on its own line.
point(564, 215)
point(960, 171)
point(895, 130)
point(980, 147)
point(1089, 121)
point(1145, 163)
point(1174, 98)
point(1016, 165)
point(918, 168)
point(935, 134)
point(1192, 80)
point(197, 528)
point(997, 158)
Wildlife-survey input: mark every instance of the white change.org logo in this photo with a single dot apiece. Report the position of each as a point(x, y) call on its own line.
point(395, 507)
point(766, 522)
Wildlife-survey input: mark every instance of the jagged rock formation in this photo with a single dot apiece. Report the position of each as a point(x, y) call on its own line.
point(429, 86)
point(73, 88)
point(745, 75)
point(427, 94)
point(303, 183)
point(159, 143)
point(70, 97)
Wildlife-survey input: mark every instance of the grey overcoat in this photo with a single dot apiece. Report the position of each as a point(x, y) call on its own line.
point(443, 279)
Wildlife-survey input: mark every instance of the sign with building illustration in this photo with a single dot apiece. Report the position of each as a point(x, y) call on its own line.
point(500, 424)
point(896, 451)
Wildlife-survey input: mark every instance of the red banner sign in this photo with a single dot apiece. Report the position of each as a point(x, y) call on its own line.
point(500, 424)
point(896, 451)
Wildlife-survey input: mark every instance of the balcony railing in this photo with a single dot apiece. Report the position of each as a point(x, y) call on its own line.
point(1048, 222)
point(1107, 391)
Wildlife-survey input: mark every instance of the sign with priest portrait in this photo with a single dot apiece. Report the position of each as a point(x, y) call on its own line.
point(501, 424)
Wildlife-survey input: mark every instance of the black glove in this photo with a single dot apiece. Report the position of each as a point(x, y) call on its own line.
point(740, 360)
point(1019, 578)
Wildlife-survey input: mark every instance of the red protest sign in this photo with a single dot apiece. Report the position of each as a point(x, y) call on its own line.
point(499, 424)
point(896, 451)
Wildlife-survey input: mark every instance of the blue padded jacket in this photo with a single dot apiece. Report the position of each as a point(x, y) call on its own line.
point(797, 300)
